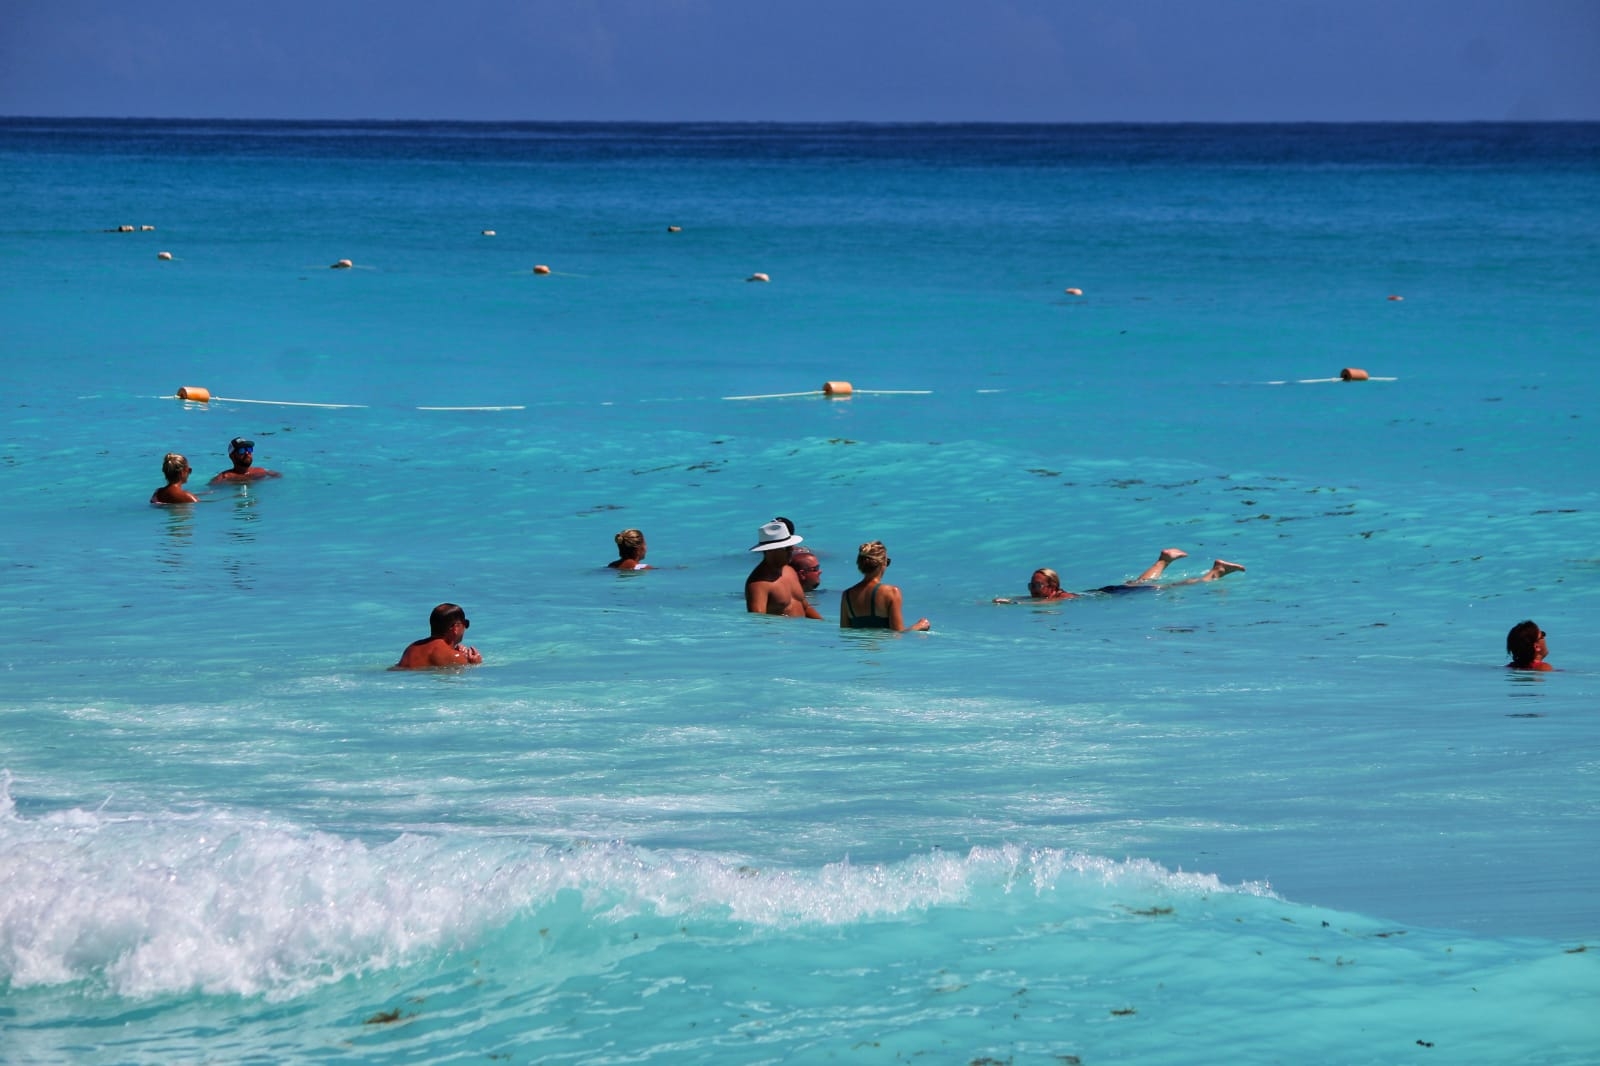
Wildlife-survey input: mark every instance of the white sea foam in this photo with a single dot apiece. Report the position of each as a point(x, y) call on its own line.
point(210, 902)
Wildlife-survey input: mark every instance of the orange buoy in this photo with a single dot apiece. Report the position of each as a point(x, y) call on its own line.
point(195, 393)
point(163, 255)
point(343, 264)
point(541, 269)
point(836, 388)
point(1351, 373)
point(758, 277)
point(1074, 292)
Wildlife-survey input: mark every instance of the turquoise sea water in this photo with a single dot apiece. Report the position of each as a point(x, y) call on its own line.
point(1301, 814)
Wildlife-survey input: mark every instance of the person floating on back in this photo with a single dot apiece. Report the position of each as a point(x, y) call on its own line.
point(175, 468)
point(1045, 584)
point(869, 603)
point(631, 549)
point(1525, 645)
point(447, 625)
point(773, 587)
point(242, 453)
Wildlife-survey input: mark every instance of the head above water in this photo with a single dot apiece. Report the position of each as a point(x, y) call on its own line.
point(1525, 642)
point(872, 557)
point(630, 544)
point(174, 466)
point(444, 618)
point(1043, 582)
point(807, 566)
point(240, 446)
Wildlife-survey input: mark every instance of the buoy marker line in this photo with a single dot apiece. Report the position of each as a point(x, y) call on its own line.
point(834, 390)
point(196, 395)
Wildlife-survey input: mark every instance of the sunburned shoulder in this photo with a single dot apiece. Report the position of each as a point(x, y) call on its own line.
point(431, 653)
point(1540, 665)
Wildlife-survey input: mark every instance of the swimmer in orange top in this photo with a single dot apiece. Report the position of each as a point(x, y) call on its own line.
point(447, 625)
point(242, 453)
point(1525, 645)
point(1045, 584)
point(175, 468)
point(631, 549)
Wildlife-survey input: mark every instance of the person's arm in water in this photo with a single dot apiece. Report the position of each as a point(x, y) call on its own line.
point(891, 596)
point(811, 611)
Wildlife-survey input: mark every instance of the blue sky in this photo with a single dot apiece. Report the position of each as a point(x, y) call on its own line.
point(863, 60)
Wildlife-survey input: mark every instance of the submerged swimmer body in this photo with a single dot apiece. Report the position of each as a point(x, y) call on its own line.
point(1045, 584)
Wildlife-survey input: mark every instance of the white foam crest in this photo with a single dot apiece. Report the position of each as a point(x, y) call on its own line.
point(224, 906)
point(619, 881)
point(213, 903)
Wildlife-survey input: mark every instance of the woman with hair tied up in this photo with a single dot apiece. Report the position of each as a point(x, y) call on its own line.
point(869, 603)
point(630, 551)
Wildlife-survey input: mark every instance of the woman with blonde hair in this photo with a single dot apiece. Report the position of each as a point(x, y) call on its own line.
point(630, 551)
point(869, 603)
point(175, 468)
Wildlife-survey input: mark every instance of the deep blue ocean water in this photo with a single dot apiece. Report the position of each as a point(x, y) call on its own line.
point(1301, 814)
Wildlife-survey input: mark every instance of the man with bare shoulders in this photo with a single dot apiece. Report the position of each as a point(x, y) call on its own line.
point(242, 453)
point(773, 587)
point(447, 625)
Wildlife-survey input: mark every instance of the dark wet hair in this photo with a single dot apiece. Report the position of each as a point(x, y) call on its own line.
point(1520, 641)
point(444, 616)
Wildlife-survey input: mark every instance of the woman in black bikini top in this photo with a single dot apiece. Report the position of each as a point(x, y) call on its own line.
point(869, 603)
